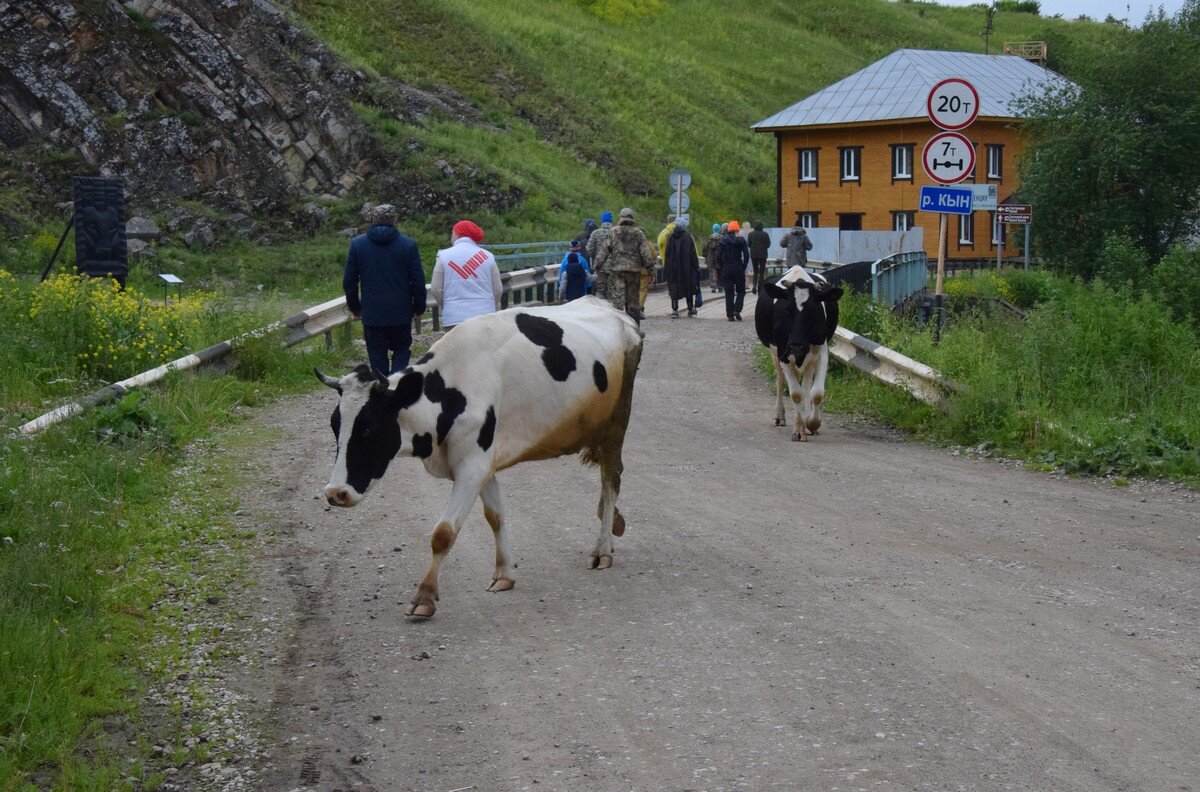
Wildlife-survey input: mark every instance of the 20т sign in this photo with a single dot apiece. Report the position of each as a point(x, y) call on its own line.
point(953, 104)
point(948, 158)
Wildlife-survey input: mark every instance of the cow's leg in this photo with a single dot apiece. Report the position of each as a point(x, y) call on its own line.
point(817, 387)
point(611, 521)
point(467, 484)
point(503, 578)
point(779, 421)
point(796, 391)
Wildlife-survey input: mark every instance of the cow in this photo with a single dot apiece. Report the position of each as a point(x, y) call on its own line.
point(795, 318)
point(518, 385)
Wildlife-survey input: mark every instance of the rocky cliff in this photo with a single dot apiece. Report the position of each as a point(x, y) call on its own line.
point(223, 101)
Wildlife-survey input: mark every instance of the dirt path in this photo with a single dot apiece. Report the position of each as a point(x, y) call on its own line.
point(853, 613)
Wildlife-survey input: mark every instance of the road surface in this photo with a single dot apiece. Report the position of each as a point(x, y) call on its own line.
point(857, 612)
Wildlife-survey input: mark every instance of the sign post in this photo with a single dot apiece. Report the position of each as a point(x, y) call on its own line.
point(680, 180)
point(1015, 214)
point(948, 158)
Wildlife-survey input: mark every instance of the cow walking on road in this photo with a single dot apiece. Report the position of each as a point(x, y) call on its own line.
point(503, 388)
point(795, 318)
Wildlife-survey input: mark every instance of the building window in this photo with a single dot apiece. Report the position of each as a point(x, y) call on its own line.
point(850, 221)
point(995, 161)
point(966, 230)
point(808, 219)
point(903, 221)
point(997, 230)
point(902, 161)
point(807, 165)
point(851, 157)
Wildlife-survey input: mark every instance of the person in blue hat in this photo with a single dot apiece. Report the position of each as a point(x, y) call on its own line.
point(709, 253)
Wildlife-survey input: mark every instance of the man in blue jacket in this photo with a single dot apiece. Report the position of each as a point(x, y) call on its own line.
point(386, 267)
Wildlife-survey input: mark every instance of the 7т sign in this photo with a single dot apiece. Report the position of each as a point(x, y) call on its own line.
point(948, 158)
point(953, 104)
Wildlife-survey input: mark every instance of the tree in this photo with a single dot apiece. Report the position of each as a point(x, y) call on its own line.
point(1118, 151)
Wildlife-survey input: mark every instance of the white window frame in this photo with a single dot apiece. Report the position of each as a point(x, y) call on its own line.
point(966, 230)
point(808, 219)
point(903, 218)
point(807, 156)
point(902, 161)
point(851, 155)
point(997, 230)
point(995, 161)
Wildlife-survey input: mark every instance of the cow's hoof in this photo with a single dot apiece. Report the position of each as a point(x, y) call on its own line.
point(600, 561)
point(422, 611)
point(502, 584)
point(798, 437)
point(779, 422)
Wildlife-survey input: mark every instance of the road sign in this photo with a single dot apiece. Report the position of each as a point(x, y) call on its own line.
point(679, 202)
point(953, 104)
point(951, 200)
point(983, 196)
point(679, 179)
point(1020, 214)
point(948, 158)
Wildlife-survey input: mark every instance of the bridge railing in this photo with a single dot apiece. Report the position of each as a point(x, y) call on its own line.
point(896, 277)
point(523, 255)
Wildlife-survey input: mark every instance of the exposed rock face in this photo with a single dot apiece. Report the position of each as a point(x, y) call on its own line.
point(224, 101)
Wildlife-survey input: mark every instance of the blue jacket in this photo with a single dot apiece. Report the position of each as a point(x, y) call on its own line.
point(386, 265)
point(577, 288)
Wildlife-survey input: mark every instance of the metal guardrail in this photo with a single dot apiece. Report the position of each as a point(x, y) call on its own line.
point(891, 367)
point(510, 258)
point(896, 277)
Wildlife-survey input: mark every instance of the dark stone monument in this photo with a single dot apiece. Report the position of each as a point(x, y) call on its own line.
point(100, 250)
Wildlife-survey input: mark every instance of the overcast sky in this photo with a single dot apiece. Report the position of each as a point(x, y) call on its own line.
point(1096, 9)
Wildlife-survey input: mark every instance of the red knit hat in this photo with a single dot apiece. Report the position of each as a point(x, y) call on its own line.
point(465, 228)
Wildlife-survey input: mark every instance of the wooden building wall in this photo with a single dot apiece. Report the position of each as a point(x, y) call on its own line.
point(876, 195)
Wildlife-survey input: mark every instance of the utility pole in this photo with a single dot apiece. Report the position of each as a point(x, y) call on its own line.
point(988, 27)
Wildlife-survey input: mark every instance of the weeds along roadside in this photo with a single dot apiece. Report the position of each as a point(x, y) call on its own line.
point(114, 522)
point(1091, 381)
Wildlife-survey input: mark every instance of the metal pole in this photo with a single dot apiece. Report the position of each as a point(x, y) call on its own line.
point(1028, 228)
point(57, 248)
point(939, 299)
point(999, 229)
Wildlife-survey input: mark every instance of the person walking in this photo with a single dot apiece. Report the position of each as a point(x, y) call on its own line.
point(466, 279)
point(592, 251)
point(589, 225)
point(796, 244)
point(734, 256)
point(709, 252)
point(681, 264)
point(384, 284)
point(760, 243)
point(625, 257)
point(573, 274)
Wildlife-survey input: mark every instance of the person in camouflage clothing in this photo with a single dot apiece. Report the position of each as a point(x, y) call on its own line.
point(626, 255)
point(594, 244)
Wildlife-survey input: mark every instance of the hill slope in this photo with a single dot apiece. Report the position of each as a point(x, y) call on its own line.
point(590, 103)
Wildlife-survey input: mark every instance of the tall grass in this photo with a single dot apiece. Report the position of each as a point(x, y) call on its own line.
point(1091, 380)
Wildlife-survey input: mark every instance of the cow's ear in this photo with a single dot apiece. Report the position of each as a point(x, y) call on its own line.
point(328, 380)
point(408, 390)
point(778, 292)
point(834, 294)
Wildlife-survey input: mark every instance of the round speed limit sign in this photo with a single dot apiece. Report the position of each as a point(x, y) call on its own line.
point(953, 104)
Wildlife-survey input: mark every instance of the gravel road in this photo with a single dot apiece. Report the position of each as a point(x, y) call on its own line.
point(857, 612)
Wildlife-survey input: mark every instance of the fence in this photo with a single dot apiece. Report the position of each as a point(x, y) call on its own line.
point(528, 254)
point(896, 277)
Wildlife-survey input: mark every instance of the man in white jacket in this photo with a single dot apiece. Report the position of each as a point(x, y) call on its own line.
point(466, 280)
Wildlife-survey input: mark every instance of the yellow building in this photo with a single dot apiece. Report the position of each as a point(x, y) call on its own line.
point(849, 156)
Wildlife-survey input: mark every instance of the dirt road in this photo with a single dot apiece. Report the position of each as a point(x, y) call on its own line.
point(857, 612)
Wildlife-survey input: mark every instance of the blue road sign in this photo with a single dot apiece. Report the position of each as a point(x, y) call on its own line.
point(949, 200)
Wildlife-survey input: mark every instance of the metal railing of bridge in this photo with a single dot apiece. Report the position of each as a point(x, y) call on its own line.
point(896, 277)
point(528, 254)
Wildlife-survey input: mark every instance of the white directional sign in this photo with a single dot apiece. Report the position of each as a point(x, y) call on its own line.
point(679, 202)
point(679, 179)
point(953, 104)
point(984, 196)
point(948, 158)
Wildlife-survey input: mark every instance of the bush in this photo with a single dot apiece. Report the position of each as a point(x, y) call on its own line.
point(1176, 282)
point(1028, 287)
point(1122, 264)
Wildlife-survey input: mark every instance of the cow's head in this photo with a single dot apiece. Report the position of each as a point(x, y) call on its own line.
point(816, 316)
point(366, 429)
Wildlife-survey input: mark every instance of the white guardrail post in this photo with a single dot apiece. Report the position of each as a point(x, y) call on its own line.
point(891, 367)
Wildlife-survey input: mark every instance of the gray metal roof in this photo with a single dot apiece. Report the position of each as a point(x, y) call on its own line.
point(897, 86)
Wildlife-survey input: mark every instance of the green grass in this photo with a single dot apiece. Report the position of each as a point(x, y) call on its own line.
point(1092, 381)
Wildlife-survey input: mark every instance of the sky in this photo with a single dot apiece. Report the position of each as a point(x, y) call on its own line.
point(1096, 9)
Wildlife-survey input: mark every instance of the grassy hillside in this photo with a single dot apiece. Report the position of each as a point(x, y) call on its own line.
point(589, 103)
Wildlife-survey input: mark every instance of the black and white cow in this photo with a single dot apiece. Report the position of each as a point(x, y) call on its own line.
point(796, 318)
point(508, 387)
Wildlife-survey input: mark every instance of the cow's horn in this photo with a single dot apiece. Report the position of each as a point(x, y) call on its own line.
point(327, 380)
